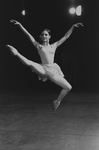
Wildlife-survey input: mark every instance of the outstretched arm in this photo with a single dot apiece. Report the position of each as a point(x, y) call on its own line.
point(67, 35)
point(35, 43)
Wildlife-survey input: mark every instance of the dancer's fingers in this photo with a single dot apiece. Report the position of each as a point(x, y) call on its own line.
point(78, 24)
point(12, 20)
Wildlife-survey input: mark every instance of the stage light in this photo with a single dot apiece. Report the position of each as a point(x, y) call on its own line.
point(78, 10)
point(72, 10)
point(23, 12)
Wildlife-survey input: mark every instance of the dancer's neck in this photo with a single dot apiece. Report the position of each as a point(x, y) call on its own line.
point(46, 43)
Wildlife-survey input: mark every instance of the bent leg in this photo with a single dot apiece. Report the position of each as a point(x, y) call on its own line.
point(61, 81)
point(66, 88)
point(34, 66)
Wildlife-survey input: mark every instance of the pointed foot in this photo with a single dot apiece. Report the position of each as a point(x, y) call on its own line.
point(56, 104)
point(12, 49)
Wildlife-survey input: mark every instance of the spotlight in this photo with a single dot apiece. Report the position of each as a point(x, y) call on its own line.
point(72, 10)
point(23, 12)
point(78, 10)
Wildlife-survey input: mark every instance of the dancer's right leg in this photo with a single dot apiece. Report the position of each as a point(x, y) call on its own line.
point(35, 66)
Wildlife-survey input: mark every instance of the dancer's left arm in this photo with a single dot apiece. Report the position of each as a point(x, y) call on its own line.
point(67, 35)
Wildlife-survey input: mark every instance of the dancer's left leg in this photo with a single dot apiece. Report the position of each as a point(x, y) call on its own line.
point(66, 88)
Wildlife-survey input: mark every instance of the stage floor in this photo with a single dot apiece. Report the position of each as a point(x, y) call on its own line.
point(27, 122)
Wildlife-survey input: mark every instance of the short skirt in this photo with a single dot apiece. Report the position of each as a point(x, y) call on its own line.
point(51, 71)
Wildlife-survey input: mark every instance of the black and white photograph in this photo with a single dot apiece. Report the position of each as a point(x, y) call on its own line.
point(49, 75)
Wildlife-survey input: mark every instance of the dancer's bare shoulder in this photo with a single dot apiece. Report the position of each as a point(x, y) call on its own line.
point(37, 45)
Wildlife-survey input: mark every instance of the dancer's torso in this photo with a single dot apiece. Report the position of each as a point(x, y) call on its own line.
point(47, 53)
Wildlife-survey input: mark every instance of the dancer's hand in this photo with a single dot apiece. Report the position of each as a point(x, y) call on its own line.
point(15, 22)
point(78, 24)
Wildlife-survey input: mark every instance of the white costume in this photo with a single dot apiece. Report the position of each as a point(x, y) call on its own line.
point(47, 58)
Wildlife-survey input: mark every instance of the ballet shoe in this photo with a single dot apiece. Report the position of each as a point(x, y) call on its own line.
point(12, 49)
point(56, 104)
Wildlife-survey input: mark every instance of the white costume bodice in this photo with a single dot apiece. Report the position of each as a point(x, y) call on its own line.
point(47, 53)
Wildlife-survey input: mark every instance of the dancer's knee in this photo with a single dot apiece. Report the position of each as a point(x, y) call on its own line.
point(68, 88)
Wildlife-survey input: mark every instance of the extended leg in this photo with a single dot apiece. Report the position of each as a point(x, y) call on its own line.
point(35, 66)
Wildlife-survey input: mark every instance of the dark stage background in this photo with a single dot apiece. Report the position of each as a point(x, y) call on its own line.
point(78, 56)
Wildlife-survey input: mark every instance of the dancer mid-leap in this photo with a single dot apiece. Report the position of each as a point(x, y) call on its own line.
point(47, 69)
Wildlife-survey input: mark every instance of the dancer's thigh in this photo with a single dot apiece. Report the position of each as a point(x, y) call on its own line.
point(36, 67)
point(61, 81)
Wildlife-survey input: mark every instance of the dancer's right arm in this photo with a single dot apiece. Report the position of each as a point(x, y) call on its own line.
point(34, 42)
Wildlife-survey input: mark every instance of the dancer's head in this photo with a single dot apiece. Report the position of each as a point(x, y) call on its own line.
point(45, 35)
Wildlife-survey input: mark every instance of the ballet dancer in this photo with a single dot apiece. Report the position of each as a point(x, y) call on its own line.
point(47, 69)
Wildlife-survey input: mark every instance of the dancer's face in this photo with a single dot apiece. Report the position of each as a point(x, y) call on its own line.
point(45, 36)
